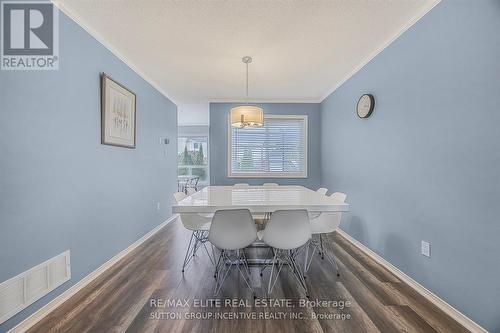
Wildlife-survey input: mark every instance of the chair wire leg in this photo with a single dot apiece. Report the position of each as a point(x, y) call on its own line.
point(187, 258)
point(322, 251)
point(202, 237)
point(212, 259)
point(196, 242)
point(224, 265)
point(266, 260)
point(297, 273)
point(221, 278)
point(219, 269)
point(308, 245)
point(242, 258)
point(315, 244)
point(213, 251)
point(245, 261)
point(276, 259)
point(332, 260)
point(217, 265)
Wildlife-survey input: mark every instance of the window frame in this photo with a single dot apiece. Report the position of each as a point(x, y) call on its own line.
point(302, 174)
point(196, 133)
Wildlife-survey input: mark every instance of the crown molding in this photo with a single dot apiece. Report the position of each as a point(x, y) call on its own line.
point(265, 100)
point(108, 45)
point(382, 47)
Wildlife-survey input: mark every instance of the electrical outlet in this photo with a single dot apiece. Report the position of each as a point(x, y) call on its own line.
point(158, 205)
point(426, 249)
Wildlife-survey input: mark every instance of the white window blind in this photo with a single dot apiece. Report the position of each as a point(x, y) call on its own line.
point(278, 149)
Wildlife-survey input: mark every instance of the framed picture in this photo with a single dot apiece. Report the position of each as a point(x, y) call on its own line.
point(117, 114)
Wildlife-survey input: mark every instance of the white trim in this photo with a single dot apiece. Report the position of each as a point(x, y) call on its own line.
point(52, 305)
point(266, 100)
point(382, 47)
point(193, 124)
point(302, 174)
point(429, 295)
point(98, 37)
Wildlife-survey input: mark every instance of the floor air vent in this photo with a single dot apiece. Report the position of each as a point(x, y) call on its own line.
point(24, 289)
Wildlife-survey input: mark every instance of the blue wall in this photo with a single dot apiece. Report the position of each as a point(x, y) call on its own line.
point(59, 187)
point(426, 165)
point(218, 143)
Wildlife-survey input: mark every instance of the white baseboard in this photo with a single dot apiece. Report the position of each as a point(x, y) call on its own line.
point(52, 305)
point(447, 308)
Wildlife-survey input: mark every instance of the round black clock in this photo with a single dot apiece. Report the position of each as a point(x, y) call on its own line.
point(365, 106)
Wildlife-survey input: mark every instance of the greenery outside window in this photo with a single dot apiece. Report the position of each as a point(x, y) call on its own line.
point(192, 158)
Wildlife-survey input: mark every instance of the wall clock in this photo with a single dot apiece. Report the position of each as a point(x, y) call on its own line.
point(365, 106)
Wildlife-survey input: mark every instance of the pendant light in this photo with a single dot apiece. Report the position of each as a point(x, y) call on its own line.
point(247, 115)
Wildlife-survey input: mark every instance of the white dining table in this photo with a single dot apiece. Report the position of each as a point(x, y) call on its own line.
point(258, 199)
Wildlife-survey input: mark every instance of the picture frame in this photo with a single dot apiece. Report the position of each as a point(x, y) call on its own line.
point(118, 114)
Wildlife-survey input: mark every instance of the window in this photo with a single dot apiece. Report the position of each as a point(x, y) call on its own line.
point(276, 150)
point(192, 158)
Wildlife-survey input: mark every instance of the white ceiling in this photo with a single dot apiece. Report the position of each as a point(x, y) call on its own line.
point(191, 50)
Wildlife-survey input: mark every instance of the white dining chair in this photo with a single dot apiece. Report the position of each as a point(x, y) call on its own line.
point(231, 232)
point(199, 225)
point(178, 196)
point(193, 183)
point(190, 191)
point(270, 185)
point(286, 233)
point(339, 196)
point(324, 223)
point(322, 190)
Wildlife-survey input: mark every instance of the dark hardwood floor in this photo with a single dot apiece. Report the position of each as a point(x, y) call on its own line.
point(122, 299)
